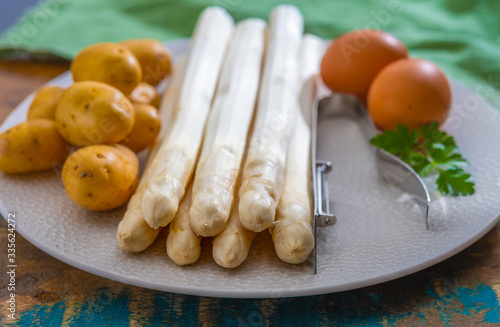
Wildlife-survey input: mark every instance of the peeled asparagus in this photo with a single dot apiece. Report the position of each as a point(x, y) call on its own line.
point(227, 129)
point(263, 174)
point(312, 50)
point(231, 247)
point(292, 232)
point(183, 245)
point(133, 233)
point(174, 164)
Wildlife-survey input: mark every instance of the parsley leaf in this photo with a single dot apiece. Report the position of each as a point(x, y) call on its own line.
point(455, 182)
point(399, 142)
point(433, 135)
point(420, 163)
point(429, 150)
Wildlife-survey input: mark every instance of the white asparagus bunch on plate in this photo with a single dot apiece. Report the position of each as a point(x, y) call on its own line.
point(175, 161)
point(133, 233)
point(264, 169)
point(183, 245)
point(292, 232)
point(227, 129)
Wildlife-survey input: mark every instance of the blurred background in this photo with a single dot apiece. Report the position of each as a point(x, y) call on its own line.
point(10, 11)
point(461, 36)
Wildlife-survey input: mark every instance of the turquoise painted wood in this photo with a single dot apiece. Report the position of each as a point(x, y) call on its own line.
point(365, 308)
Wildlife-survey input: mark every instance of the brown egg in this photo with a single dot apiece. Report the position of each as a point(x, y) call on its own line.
point(411, 92)
point(353, 60)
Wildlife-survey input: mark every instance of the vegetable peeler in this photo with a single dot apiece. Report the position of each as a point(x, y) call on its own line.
point(390, 167)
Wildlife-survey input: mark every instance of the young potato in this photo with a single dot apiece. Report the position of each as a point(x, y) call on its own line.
point(33, 145)
point(45, 102)
point(109, 63)
point(94, 113)
point(146, 127)
point(154, 58)
point(145, 93)
point(101, 177)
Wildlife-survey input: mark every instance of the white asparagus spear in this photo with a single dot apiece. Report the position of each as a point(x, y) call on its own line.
point(183, 245)
point(292, 232)
point(231, 246)
point(133, 233)
point(227, 129)
point(264, 169)
point(174, 164)
point(312, 50)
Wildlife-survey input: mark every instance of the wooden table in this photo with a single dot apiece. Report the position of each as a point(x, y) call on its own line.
point(460, 291)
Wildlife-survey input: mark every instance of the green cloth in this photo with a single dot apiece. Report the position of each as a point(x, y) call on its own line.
point(461, 36)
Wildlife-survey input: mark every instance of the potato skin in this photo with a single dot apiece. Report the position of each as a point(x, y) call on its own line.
point(45, 102)
point(155, 60)
point(94, 113)
point(101, 177)
point(146, 128)
point(110, 63)
point(33, 145)
point(145, 93)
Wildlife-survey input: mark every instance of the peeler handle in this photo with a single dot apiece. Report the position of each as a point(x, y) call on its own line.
point(322, 214)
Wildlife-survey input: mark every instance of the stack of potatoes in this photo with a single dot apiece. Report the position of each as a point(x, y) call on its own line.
point(107, 115)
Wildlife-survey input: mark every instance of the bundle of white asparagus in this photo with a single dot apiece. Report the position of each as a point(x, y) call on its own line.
point(253, 170)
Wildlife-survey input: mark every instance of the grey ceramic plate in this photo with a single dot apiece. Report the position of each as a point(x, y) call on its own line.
point(379, 235)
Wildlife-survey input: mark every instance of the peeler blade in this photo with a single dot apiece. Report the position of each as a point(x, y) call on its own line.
point(397, 172)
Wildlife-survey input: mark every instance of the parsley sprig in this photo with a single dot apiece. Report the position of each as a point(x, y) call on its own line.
point(426, 151)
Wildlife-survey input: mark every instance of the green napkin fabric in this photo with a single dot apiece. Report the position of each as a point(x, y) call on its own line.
point(461, 36)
